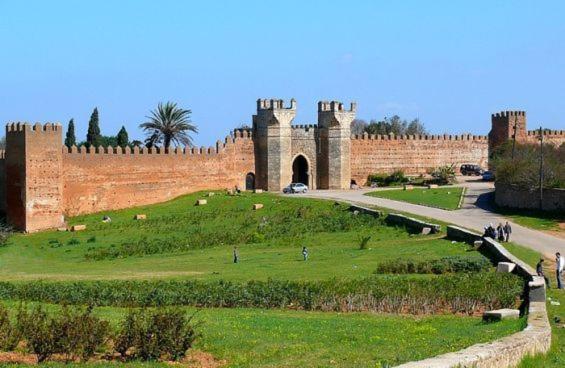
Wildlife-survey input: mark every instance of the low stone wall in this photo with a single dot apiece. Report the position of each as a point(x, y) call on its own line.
point(395, 218)
point(365, 210)
point(512, 197)
point(510, 350)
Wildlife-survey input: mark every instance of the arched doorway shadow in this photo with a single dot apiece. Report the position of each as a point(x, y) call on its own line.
point(250, 181)
point(300, 170)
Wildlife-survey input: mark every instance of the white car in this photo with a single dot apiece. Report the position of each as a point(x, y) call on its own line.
point(295, 188)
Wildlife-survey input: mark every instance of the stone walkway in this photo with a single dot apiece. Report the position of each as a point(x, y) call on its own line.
point(473, 214)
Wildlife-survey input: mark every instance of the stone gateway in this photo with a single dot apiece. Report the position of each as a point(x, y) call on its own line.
point(41, 181)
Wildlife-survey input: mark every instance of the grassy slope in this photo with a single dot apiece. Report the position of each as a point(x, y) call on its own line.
point(274, 338)
point(331, 253)
point(447, 198)
point(546, 221)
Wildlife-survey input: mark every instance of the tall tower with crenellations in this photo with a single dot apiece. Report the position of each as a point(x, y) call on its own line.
point(34, 164)
point(334, 124)
point(272, 135)
point(504, 125)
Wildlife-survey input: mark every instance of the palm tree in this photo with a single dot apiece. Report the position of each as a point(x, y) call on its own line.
point(169, 123)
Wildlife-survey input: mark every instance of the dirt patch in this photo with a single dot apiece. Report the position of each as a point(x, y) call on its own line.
point(194, 359)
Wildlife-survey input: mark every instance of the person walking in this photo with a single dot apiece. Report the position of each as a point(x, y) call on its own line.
point(235, 255)
point(559, 269)
point(507, 231)
point(500, 231)
point(305, 253)
point(539, 271)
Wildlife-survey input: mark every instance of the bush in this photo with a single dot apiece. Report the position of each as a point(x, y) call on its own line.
point(443, 175)
point(462, 293)
point(152, 335)
point(74, 333)
point(9, 334)
point(443, 265)
point(383, 180)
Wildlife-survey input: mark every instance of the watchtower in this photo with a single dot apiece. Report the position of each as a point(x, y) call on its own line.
point(334, 124)
point(272, 135)
point(34, 189)
point(504, 125)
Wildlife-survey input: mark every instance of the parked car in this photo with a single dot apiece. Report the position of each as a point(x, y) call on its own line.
point(295, 188)
point(488, 176)
point(470, 169)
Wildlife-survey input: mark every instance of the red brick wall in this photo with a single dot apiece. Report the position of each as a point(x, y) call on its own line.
point(413, 154)
point(556, 137)
point(95, 182)
point(2, 182)
point(33, 170)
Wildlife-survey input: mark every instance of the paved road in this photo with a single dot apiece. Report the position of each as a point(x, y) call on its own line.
point(474, 214)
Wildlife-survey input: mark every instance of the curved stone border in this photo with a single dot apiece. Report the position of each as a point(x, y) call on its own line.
point(510, 350)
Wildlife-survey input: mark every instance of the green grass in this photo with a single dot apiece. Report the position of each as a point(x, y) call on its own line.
point(275, 252)
point(275, 338)
point(539, 220)
point(446, 198)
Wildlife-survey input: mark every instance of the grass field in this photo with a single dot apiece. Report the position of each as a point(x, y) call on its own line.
point(446, 198)
point(274, 338)
point(182, 241)
point(539, 220)
point(332, 235)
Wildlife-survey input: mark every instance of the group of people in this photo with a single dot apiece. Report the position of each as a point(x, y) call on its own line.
point(500, 233)
point(559, 265)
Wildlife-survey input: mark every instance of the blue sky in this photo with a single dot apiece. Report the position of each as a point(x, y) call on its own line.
point(450, 63)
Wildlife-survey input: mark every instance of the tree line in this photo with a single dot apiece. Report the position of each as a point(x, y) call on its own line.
point(165, 125)
point(395, 125)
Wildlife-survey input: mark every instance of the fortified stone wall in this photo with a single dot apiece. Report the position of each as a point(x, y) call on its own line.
point(114, 178)
point(556, 137)
point(371, 154)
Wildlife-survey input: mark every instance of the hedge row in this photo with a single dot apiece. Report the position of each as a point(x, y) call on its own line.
point(456, 293)
point(451, 264)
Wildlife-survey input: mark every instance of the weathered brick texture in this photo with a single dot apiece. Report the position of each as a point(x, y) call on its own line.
point(116, 178)
point(372, 154)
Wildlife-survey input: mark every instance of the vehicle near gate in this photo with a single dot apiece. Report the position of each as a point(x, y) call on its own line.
point(295, 188)
point(488, 176)
point(471, 169)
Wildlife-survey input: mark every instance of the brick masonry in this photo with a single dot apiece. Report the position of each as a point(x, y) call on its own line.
point(41, 181)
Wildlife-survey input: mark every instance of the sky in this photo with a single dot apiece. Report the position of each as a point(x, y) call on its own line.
point(449, 63)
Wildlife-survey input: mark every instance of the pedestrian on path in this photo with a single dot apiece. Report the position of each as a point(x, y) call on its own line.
point(539, 271)
point(507, 231)
point(559, 269)
point(500, 231)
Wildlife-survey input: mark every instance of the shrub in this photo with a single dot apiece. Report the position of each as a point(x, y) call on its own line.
point(162, 333)
point(9, 334)
point(443, 265)
point(443, 175)
point(383, 180)
point(39, 332)
point(73, 241)
point(363, 241)
point(92, 239)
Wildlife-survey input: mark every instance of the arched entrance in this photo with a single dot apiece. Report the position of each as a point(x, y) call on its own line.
point(300, 170)
point(250, 181)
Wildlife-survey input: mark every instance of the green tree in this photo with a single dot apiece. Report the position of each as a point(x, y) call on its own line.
point(169, 123)
point(122, 137)
point(93, 137)
point(70, 138)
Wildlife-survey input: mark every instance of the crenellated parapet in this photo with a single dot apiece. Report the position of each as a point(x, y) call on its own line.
point(428, 137)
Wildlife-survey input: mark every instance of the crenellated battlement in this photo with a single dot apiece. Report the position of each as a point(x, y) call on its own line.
point(37, 127)
point(546, 132)
point(304, 126)
point(335, 106)
point(274, 104)
point(444, 137)
point(506, 114)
